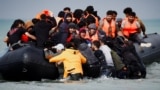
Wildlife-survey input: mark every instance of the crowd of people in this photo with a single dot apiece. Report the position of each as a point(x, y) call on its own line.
point(83, 43)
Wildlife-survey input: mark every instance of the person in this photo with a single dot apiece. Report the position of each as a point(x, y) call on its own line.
point(107, 53)
point(114, 15)
point(72, 60)
point(63, 29)
point(14, 35)
point(135, 66)
point(41, 30)
point(77, 14)
point(67, 10)
point(29, 26)
point(92, 66)
point(82, 35)
point(118, 24)
point(73, 31)
point(108, 25)
point(105, 70)
point(60, 17)
point(93, 33)
point(53, 50)
point(130, 29)
point(91, 15)
point(128, 10)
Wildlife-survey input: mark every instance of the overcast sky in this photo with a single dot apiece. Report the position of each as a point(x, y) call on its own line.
point(27, 9)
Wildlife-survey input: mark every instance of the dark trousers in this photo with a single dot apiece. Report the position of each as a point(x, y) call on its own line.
point(76, 76)
point(92, 70)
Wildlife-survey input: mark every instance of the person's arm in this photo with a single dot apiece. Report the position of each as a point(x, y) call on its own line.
point(143, 28)
point(100, 25)
point(6, 39)
point(31, 36)
point(57, 58)
point(120, 33)
point(83, 59)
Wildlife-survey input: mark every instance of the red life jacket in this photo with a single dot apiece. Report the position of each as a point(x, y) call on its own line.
point(24, 38)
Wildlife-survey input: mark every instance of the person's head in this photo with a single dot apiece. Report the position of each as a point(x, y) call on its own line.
point(67, 9)
point(75, 42)
point(119, 21)
point(82, 24)
point(18, 23)
point(72, 27)
point(114, 14)
point(90, 19)
point(109, 15)
point(78, 13)
point(89, 9)
point(35, 20)
point(61, 14)
point(68, 17)
point(127, 10)
point(95, 45)
point(59, 47)
point(92, 29)
point(82, 33)
point(131, 16)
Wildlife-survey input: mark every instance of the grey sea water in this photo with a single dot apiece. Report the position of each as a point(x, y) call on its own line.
point(152, 81)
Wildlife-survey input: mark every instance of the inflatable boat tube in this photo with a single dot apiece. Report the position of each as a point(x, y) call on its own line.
point(27, 63)
point(150, 54)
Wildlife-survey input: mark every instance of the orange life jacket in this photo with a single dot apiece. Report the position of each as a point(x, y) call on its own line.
point(129, 28)
point(93, 37)
point(111, 32)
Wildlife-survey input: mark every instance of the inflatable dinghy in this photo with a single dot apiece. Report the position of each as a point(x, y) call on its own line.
point(28, 62)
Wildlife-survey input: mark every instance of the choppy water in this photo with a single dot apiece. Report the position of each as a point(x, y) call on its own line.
point(152, 81)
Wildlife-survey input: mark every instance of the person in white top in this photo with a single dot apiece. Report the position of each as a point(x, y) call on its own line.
point(107, 53)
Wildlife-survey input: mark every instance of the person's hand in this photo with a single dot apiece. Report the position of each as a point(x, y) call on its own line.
point(125, 39)
point(144, 34)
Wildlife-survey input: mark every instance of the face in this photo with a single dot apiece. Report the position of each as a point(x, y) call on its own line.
point(109, 18)
point(131, 18)
point(82, 35)
point(92, 31)
point(72, 30)
point(69, 19)
point(114, 16)
point(21, 25)
point(66, 11)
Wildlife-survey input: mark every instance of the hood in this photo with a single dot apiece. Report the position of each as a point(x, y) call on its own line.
point(83, 46)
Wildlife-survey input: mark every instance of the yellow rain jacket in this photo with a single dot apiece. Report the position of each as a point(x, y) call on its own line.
point(72, 60)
